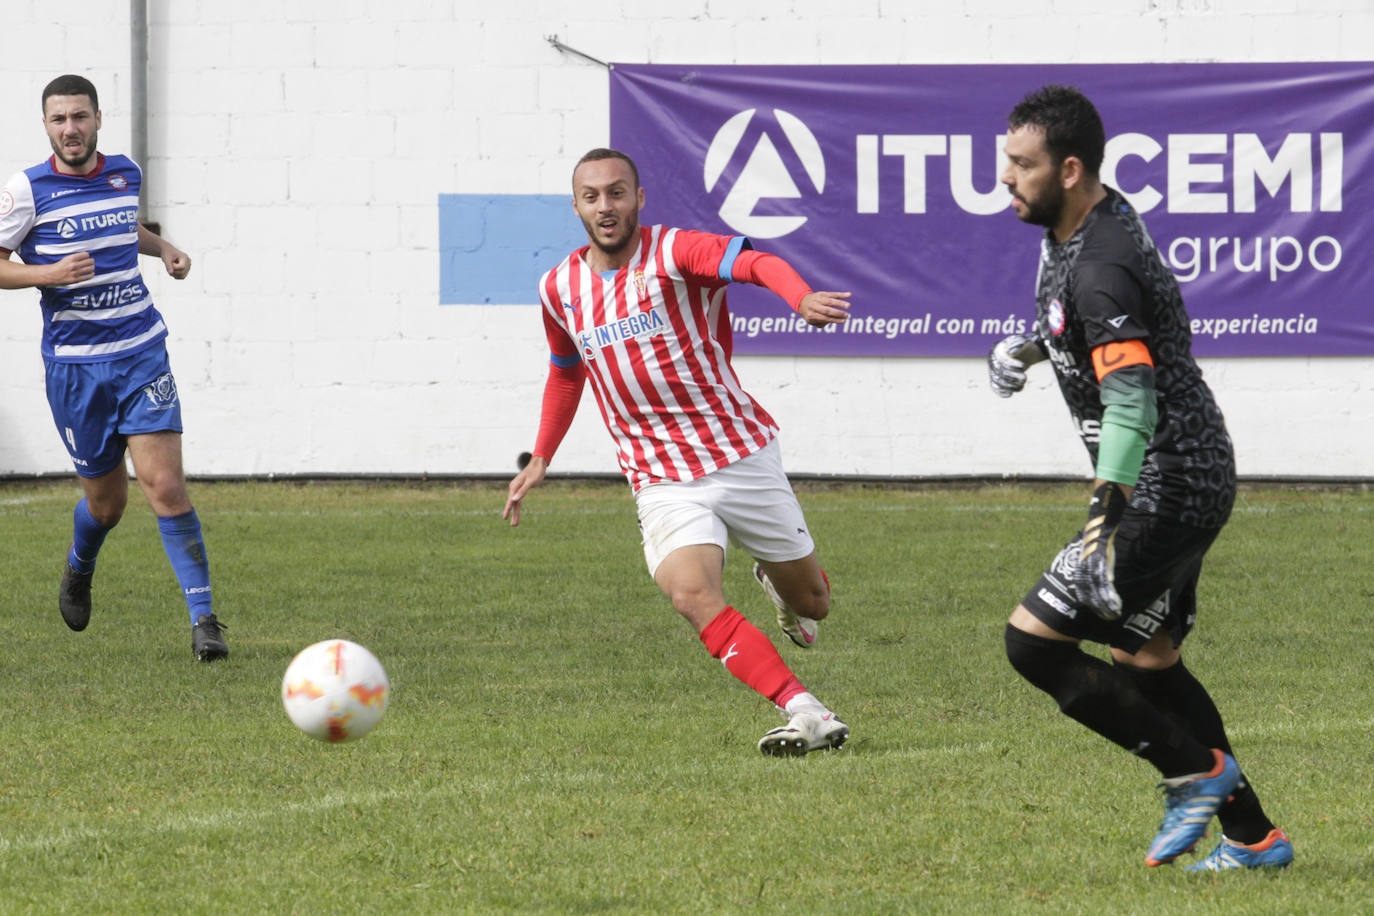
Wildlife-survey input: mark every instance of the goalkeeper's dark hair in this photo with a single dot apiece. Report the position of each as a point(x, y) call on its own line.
point(70, 84)
point(1071, 124)
point(601, 153)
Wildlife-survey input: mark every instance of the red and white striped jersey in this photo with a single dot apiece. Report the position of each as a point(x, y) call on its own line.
point(654, 337)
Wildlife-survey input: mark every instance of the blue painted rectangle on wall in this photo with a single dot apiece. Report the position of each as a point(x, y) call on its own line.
point(494, 247)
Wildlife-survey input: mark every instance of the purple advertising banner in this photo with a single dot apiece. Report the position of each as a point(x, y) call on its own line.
point(883, 180)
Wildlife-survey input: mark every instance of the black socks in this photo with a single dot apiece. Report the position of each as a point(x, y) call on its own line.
point(1179, 695)
point(1108, 701)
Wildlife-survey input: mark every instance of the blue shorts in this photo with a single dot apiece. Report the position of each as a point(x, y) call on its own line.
point(96, 406)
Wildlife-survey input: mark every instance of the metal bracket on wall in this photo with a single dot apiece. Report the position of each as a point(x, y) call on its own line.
point(553, 40)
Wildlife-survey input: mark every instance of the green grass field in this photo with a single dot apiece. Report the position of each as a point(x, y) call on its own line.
point(558, 741)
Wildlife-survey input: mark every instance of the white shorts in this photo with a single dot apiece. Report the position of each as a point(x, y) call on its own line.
point(749, 501)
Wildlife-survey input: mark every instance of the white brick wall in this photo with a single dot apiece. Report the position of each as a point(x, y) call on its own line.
point(297, 150)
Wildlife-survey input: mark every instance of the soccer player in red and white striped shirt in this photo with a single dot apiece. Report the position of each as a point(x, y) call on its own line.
point(640, 313)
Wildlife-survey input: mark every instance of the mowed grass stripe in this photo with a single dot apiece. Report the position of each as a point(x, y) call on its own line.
point(1311, 729)
point(559, 742)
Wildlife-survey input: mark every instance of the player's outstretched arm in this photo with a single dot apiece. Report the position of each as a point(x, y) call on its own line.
point(1008, 361)
point(177, 262)
point(818, 307)
point(529, 478)
point(821, 308)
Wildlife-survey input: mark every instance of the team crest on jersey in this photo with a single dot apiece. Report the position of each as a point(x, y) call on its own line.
point(6, 203)
point(641, 286)
point(118, 182)
point(1054, 317)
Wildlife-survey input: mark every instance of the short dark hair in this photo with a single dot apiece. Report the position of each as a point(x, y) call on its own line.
point(601, 153)
point(70, 84)
point(1071, 124)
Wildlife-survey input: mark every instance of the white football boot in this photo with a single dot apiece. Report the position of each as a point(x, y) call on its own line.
point(804, 732)
point(801, 630)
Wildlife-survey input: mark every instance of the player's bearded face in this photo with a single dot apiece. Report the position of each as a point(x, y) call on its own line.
point(1035, 180)
point(1044, 208)
point(608, 201)
point(73, 125)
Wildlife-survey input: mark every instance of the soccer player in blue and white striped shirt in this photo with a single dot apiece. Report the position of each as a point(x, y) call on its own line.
point(73, 221)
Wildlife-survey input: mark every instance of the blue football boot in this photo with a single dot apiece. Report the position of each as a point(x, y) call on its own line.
point(1190, 802)
point(1274, 851)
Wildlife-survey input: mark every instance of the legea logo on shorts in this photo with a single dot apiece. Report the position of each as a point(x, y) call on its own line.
point(765, 175)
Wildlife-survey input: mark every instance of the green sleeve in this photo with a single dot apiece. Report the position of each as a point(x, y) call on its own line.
point(1129, 417)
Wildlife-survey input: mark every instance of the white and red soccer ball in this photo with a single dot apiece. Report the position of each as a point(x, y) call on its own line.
point(335, 690)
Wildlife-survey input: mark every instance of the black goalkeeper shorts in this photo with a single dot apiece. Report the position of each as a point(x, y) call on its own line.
point(1156, 572)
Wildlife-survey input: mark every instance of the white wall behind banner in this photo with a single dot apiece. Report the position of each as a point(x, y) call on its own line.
point(298, 152)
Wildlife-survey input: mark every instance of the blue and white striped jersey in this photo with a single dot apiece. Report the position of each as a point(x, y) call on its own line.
point(45, 216)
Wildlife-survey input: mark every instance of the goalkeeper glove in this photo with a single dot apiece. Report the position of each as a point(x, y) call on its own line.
point(1094, 577)
point(1008, 361)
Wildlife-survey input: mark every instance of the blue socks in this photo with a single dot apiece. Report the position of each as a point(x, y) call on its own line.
point(87, 536)
point(181, 538)
point(185, 547)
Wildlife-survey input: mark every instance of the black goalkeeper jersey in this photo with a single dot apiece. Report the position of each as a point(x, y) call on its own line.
point(1108, 283)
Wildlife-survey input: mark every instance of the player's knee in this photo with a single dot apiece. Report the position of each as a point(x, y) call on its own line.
point(1020, 653)
point(697, 604)
point(109, 518)
point(700, 615)
point(1156, 655)
point(815, 604)
point(167, 493)
point(107, 511)
point(1039, 660)
point(685, 602)
point(807, 596)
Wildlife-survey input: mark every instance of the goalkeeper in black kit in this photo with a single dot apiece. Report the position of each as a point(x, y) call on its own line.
point(1111, 322)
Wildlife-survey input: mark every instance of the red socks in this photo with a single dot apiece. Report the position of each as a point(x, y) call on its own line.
point(749, 655)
